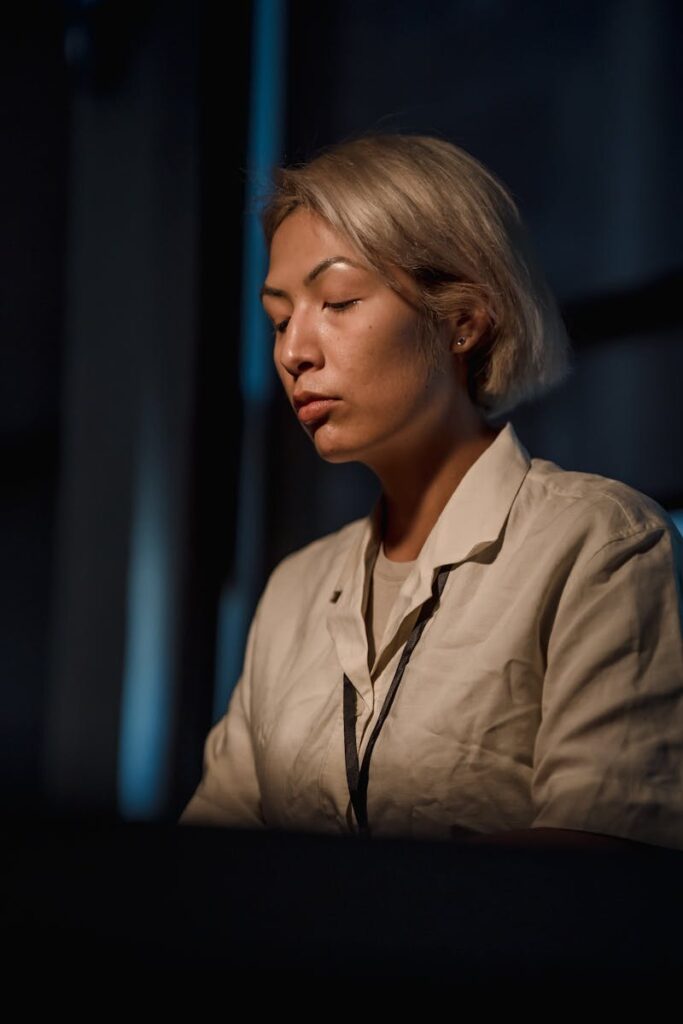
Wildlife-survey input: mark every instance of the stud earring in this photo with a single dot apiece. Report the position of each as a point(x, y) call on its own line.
point(461, 341)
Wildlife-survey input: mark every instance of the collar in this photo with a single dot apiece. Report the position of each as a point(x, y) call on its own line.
point(472, 520)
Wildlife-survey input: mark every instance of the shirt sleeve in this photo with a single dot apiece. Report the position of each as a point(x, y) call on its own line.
point(609, 749)
point(228, 793)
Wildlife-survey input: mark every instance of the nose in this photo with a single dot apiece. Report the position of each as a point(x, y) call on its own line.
point(299, 348)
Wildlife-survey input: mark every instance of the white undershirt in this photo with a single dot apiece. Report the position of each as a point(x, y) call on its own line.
point(387, 577)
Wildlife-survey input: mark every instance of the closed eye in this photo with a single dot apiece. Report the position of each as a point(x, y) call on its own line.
point(341, 306)
point(338, 307)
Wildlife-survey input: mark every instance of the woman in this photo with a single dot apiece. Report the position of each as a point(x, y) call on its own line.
point(495, 652)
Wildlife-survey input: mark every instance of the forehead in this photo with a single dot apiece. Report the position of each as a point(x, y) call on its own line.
point(304, 238)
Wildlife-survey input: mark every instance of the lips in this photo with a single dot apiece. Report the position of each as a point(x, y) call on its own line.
point(311, 405)
point(314, 409)
point(303, 396)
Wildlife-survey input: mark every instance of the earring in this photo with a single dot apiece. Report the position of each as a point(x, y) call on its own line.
point(461, 341)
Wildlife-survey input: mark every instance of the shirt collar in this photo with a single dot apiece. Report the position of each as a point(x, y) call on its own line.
point(471, 520)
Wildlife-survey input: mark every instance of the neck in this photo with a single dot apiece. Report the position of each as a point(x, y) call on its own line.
point(417, 486)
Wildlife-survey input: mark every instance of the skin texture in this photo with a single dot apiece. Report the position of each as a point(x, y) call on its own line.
point(413, 424)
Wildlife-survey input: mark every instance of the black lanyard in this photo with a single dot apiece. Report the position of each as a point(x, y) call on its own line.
point(358, 779)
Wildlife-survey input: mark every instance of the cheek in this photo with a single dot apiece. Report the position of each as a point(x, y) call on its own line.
point(394, 382)
point(381, 356)
point(283, 376)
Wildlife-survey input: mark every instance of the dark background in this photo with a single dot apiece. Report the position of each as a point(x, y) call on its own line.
point(151, 479)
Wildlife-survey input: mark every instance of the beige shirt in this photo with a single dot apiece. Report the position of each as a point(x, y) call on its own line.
point(546, 690)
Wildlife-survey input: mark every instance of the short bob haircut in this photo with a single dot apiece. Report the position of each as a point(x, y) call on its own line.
point(426, 206)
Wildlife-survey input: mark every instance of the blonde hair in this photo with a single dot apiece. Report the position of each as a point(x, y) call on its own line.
point(426, 206)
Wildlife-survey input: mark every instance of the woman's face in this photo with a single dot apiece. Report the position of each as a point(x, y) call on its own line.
point(340, 331)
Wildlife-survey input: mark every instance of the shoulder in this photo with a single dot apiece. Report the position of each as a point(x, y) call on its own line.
point(301, 576)
point(588, 508)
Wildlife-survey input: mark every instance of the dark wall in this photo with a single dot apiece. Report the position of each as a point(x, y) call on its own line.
point(33, 176)
point(122, 182)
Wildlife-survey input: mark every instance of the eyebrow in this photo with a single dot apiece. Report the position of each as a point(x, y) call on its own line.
point(318, 269)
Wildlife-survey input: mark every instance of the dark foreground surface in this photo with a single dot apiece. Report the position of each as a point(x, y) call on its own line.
point(273, 912)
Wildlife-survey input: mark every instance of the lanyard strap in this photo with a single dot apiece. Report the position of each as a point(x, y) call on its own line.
point(358, 778)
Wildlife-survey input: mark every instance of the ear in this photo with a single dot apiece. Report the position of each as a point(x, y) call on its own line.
point(470, 330)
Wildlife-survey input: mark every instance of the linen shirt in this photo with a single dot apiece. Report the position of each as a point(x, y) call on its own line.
point(546, 689)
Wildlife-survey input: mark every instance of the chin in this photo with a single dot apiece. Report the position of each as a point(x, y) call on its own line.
point(333, 449)
point(335, 454)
